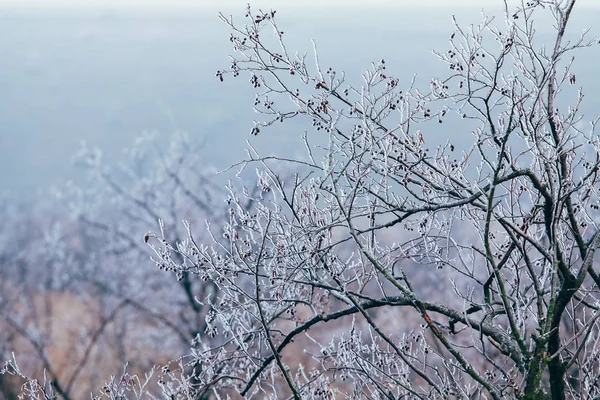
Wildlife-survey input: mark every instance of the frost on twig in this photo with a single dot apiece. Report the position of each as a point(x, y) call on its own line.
point(392, 266)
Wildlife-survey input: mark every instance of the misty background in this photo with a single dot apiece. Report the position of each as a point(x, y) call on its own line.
point(105, 74)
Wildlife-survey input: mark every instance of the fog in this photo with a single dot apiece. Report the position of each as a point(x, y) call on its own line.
point(104, 74)
point(138, 5)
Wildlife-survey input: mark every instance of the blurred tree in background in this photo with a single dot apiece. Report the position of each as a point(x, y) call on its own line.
point(79, 297)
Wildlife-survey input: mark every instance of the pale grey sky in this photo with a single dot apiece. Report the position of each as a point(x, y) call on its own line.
point(107, 76)
point(214, 4)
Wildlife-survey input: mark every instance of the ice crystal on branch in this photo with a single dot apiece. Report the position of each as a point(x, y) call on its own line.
point(392, 266)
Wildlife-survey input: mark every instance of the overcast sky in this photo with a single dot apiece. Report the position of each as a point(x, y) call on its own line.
point(214, 4)
point(106, 76)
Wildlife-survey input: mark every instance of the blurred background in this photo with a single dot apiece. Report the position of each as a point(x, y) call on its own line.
point(105, 71)
point(111, 116)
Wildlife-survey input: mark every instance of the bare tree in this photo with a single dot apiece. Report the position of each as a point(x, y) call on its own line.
point(392, 267)
point(159, 182)
point(78, 296)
